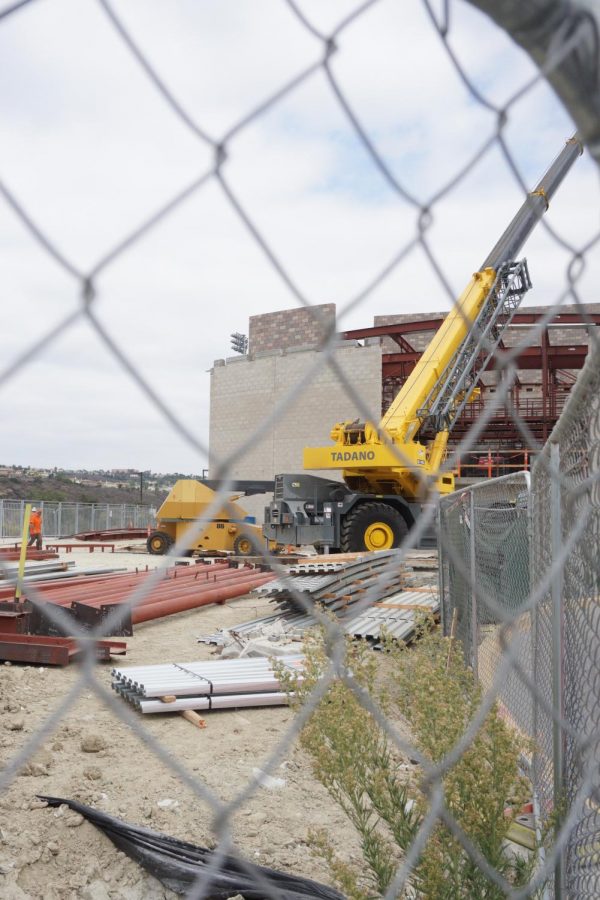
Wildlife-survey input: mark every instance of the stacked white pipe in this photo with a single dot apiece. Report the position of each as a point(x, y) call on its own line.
point(216, 684)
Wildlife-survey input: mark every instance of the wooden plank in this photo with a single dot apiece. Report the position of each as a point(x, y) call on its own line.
point(194, 718)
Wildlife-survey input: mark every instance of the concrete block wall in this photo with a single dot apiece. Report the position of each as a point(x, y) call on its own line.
point(289, 328)
point(245, 389)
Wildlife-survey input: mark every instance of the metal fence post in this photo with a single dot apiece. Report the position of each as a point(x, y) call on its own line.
point(441, 588)
point(59, 520)
point(1, 518)
point(474, 659)
point(557, 659)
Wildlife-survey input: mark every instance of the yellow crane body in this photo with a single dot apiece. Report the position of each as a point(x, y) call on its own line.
point(388, 458)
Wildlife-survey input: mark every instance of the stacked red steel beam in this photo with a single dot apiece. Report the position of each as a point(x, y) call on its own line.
point(53, 651)
point(177, 590)
point(7, 593)
point(11, 554)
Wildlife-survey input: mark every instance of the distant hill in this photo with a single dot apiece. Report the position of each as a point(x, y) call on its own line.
point(60, 487)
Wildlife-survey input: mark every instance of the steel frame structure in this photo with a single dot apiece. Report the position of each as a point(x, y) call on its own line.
point(556, 363)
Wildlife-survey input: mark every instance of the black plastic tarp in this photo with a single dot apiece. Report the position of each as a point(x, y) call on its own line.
point(177, 864)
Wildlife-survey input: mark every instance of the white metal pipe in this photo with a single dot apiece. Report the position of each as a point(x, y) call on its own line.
point(232, 701)
point(256, 686)
point(213, 664)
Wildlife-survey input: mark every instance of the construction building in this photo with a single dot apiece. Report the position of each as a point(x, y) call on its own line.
point(284, 348)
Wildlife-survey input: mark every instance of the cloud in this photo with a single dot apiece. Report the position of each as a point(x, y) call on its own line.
point(92, 150)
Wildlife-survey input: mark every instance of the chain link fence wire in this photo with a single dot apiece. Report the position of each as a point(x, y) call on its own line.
point(506, 622)
point(565, 492)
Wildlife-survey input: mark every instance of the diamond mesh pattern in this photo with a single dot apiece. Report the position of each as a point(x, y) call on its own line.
point(505, 626)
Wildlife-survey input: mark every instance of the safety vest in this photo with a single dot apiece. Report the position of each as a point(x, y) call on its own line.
point(35, 523)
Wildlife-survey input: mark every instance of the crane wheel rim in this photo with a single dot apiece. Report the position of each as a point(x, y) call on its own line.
point(156, 543)
point(245, 545)
point(379, 536)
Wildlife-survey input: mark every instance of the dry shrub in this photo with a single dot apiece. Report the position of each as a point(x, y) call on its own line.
point(428, 686)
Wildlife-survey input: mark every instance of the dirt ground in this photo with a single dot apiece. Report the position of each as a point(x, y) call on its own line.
point(51, 854)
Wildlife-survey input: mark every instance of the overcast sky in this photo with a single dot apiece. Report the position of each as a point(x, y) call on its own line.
point(91, 150)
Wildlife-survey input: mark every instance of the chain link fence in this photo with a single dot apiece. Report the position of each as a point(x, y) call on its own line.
point(566, 578)
point(484, 583)
point(507, 623)
point(519, 583)
point(63, 519)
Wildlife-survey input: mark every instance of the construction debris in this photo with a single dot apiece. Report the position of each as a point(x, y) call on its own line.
point(217, 684)
point(390, 599)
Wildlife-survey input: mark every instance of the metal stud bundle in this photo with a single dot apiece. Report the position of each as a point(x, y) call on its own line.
point(217, 684)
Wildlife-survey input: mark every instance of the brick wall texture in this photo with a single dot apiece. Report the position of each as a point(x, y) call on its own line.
point(289, 328)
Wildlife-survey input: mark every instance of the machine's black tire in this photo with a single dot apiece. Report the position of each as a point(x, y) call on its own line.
point(245, 545)
point(366, 517)
point(158, 543)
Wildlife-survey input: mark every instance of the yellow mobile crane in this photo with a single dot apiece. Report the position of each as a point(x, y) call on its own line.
point(386, 466)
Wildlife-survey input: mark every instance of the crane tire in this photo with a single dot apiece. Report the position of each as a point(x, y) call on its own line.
point(158, 543)
point(372, 526)
point(245, 545)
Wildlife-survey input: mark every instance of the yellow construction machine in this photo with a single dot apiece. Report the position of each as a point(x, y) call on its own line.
point(387, 468)
point(230, 528)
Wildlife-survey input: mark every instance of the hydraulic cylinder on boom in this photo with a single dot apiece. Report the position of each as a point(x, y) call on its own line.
point(388, 468)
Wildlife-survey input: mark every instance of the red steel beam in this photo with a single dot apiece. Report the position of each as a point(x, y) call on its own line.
point(63, 591)
point(116, 589)
point(10, 554)
point(217, 595)
point(182, 589)
point(165, 590)
point(545, 380)
point(520, 318)
point(7, 593)
point(559, 356)
point(52, 651)
point(114, 534)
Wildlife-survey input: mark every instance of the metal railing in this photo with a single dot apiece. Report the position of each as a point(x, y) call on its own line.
point(494, 463)
point(60, 519)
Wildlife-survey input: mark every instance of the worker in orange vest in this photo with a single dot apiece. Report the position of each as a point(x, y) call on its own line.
point(35, 528)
